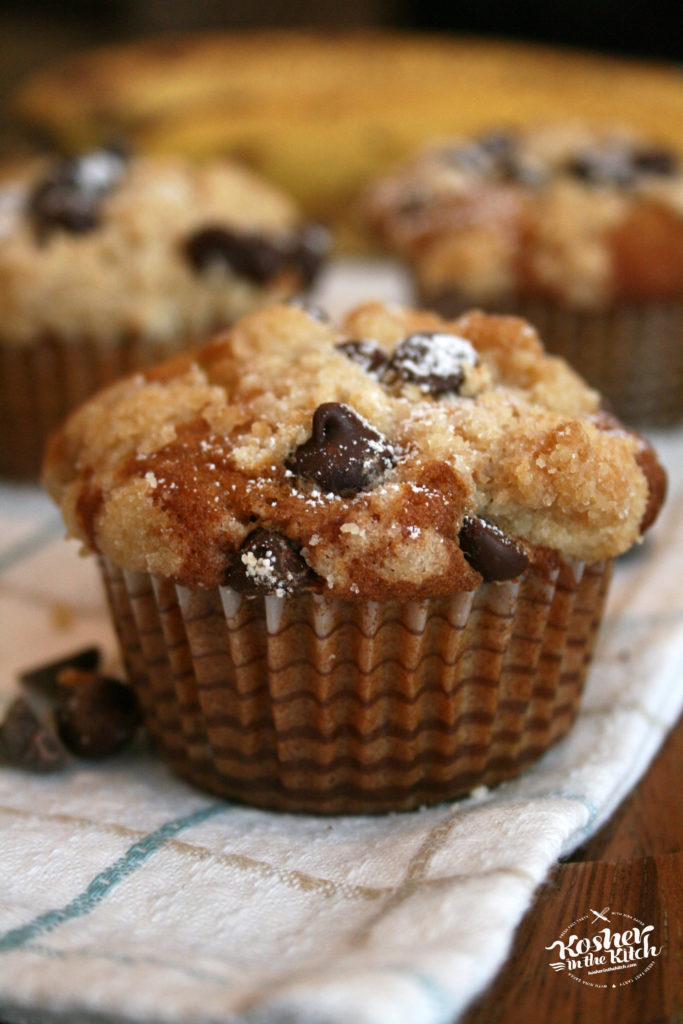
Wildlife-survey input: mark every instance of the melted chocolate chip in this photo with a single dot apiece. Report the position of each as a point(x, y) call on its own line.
point(44, 680)
point(255, 256)
point(344, 454)
point(489, 551)
point(432, 360)
point(27, 741)
point(268, 563)
point(98, 716)
point(71, 195)
point(366, 352)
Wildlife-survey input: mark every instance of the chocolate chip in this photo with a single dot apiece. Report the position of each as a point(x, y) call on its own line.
point(98, 717)
point(268, 563)
point(254, 256)
point(501, 147)
point(655, 160)
point(70, 196)
point(489, 551)
point(492, 155)
point(621, 165)
point(251, 256)
point(44, 680)
point(412, 203)
point(366, 352)
point(603, 165)
point(432, 360)
point(306, 251)
point(344, 454)
point(498, 143)
point(27, 741)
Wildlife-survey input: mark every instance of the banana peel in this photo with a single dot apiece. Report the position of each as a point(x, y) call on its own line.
point(322, 114)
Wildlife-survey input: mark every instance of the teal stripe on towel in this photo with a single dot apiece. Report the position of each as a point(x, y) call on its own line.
point(102, 884)
point(23, 549)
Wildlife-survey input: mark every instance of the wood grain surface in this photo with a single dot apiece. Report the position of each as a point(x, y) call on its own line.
point(634, 865)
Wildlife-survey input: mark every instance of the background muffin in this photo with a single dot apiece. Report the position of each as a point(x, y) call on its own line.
point(580, 230)
point(355, 567)
point(109, 262)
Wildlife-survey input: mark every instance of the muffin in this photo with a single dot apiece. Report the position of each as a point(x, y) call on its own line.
point(108, 262)
point(579, 230)
point(355, 567)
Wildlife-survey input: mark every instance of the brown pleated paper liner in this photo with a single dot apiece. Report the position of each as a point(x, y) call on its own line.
point(633, 354)
point(41, 382)
point(308, 703)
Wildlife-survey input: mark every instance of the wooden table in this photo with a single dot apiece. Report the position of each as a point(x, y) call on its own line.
point(633, 864)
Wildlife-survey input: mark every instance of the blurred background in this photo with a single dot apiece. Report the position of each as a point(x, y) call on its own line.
point(198, 106)
point(34, 31)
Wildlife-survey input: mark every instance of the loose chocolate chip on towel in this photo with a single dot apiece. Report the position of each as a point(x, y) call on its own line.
point(366, 352)
point(98, 716)
point(267, 563)
point(432, 360)
point(489, 551)
point(27, 741)
point(344, 454)
point(70, 196)
point(44, 680)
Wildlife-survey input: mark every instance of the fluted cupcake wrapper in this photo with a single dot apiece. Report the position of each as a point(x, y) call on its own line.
point(42, 381)
point(632, 353)
point(307, 703)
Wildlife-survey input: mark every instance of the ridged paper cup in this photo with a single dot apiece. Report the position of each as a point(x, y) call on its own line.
point(307, 703)
point(42, 381)
point(632, 353)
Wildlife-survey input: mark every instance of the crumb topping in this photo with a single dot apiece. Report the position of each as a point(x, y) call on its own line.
point(88, 252)
point(574, 213)
point(272, 459)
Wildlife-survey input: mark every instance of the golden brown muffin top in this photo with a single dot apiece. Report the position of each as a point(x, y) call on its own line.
point(107, 245)
point(393, 455)
point(586, 216)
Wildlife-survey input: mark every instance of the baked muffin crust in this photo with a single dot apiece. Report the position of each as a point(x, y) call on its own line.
point(141, 254)
point(172, 470)
point(582, 215)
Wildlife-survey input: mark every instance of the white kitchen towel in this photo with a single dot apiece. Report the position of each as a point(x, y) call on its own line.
point(126, 895)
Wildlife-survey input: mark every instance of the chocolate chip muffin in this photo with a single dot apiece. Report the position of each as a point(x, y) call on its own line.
point(355, 567)
point(579, 230)
point(108, 262)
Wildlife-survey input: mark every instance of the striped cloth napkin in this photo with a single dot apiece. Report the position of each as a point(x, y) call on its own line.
point(126, 895)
